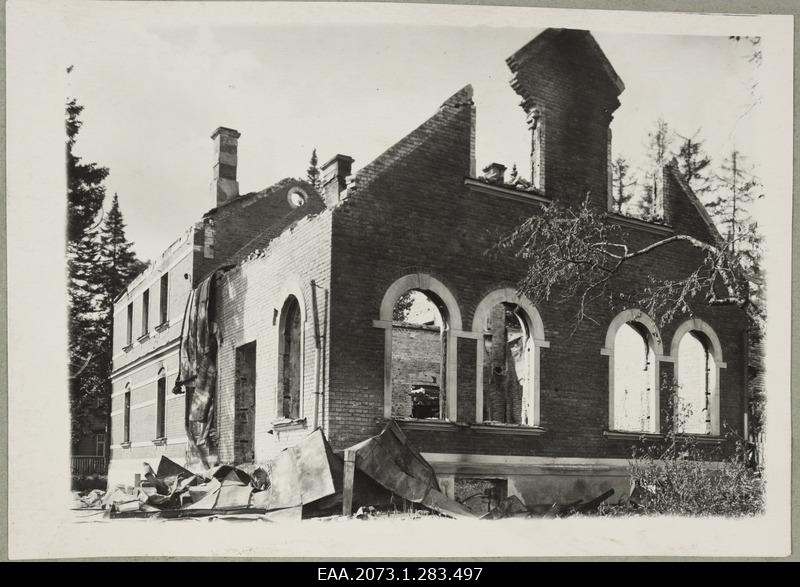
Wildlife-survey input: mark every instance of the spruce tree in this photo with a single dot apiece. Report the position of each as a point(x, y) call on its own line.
point(658, 151)
point(85, 190)
point(312, 173)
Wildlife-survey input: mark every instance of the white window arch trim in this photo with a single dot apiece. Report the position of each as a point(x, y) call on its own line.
point(425, 283)
point(716, 351)
point(654, 340)
point(499, 296)
point(292, 287)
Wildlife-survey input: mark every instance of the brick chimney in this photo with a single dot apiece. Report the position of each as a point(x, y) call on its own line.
point(495, 173)
point(224, 186)
point(334, 178)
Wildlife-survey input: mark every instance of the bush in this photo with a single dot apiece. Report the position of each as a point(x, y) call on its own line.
point(680, 476)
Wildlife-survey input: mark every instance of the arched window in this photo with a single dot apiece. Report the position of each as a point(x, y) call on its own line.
point(420, 351)
point(511, 333)
point(633, 346)
point(291, 359)
point(698, 359)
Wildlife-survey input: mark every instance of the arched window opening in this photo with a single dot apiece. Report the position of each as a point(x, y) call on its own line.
point(634, 379)
point(291, 359)
point(508, 366)
point(418, 363)
point(697, 372)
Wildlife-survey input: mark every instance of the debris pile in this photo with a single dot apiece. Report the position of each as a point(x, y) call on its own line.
point(307, 480)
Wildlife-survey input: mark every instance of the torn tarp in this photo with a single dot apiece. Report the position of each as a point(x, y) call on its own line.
point(395, 464)
point(197, 372)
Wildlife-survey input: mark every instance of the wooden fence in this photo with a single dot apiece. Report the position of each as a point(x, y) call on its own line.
point(88, 465)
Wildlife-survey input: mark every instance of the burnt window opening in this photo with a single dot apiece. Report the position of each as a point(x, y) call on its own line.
point(161, 407)
point(536, 125)
point(163, 300)
point(245, 403)
point(129, 326)
point(634, 379)
point(697, 374)
point(145, 312)
point(126, 430)
point(508, 369)
point(291, 358)
point(418, 357)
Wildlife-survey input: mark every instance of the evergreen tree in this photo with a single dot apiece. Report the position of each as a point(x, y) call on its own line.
point(694, 164)
point(85, 191)
point(312, 173)
point(119, 263)
point(621, 184)
point(658, 151)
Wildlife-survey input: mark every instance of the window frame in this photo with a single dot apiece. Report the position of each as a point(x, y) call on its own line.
point(163, 300)
point(684, 329)
point(161, 405)
point(145, 328)
point(656, 347)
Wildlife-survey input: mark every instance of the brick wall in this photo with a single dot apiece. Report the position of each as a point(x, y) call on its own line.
point(250, 299)
point(416, 360)
point(411, 212)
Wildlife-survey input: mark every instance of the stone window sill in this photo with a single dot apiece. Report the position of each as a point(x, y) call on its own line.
point(127, 348)
point(283, 424)
point(163, 326)
point(161, 441)
point(126, 444)
point(625, 435)
point(432, 424)
point(501, 428)
point(144, 337)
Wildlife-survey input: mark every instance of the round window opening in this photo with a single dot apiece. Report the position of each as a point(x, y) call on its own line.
point(297, 197)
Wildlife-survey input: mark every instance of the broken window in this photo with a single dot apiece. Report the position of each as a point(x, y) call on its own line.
point(129, 326)
point(536, 124)
point(418, 352)
point(145, 312)
point(245, 398)
point(696, 381)
point(161, 406)
point(291, 358)
point(634, 379)
point(508, 366)
point(126, 436)
point(163, 299)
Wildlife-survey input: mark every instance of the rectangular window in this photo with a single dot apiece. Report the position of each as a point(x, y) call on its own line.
point(129, 331)
point(127, 417)
point(164, 299)
point(100, 444)
point(145, 312)
point(161, 412)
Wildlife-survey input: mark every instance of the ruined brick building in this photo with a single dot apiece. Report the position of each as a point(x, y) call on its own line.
point(487, 386)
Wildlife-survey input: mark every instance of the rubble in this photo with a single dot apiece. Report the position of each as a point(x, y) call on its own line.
point(306, 480)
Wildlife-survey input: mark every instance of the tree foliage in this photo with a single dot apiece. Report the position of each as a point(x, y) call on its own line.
point(100, 264)
point(622, 184)
point(574, 254)
point(694, 164)
point(312, 173)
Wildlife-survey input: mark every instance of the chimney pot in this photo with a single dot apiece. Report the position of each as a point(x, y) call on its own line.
point(495, 173)
point(224, 186)
point(334, 178)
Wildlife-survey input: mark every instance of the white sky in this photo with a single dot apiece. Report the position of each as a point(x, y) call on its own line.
point(157, 79)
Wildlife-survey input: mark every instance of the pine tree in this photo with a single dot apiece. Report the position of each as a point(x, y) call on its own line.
point(621, 184)
point(312, 173)
point(730, 203)
point(694, 164)
point(85, 191)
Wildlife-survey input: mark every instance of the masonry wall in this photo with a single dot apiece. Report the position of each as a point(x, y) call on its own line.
point(409, 212)
point(416, 361)
point(251, 298)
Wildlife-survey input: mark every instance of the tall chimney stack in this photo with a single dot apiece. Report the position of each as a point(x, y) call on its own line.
point(334, 178)
point(224, 186)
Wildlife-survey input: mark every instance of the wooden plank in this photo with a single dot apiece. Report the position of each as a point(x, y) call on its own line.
point(348, 481)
